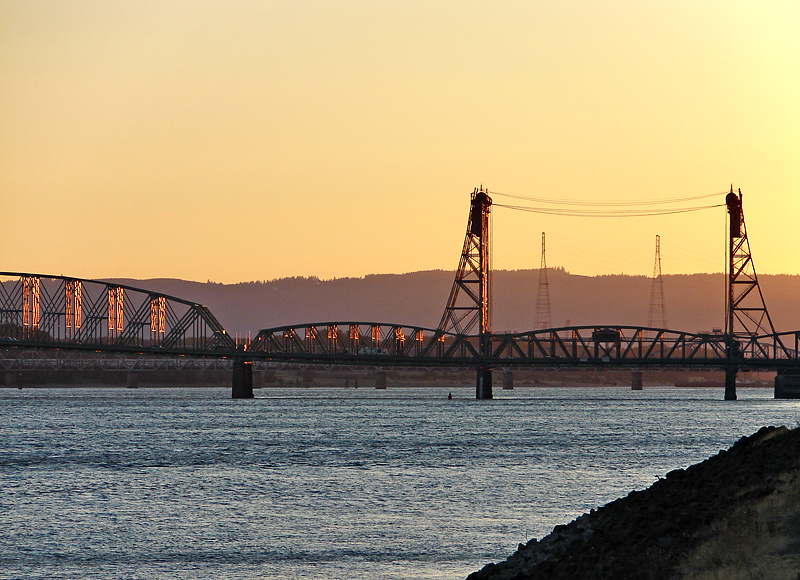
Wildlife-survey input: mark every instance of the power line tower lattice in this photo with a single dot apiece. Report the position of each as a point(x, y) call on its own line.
point(657, 318)
point(543, 318)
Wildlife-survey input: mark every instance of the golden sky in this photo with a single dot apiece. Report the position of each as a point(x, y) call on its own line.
point(251, 140)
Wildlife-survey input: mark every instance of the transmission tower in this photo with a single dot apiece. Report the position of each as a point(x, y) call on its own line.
point(543, 319)
point(658, 309)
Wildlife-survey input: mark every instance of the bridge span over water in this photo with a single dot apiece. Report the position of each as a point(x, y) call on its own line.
point(40, 312)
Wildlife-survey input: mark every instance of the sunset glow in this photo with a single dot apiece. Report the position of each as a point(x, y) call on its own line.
point(253, 140)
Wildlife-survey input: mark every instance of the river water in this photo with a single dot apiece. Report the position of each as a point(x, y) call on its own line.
point(330, 483)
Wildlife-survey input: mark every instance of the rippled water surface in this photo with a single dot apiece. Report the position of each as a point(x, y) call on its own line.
point(323, 483)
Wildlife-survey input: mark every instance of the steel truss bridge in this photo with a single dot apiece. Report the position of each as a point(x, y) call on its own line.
point(139, 328)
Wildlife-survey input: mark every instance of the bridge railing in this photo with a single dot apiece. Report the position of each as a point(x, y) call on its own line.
point(48, 311)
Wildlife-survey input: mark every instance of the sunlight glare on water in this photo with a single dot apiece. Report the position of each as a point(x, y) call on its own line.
point(331, 483)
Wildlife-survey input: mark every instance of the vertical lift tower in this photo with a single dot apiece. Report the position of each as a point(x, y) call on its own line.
point(468, 310)
point(747, 314)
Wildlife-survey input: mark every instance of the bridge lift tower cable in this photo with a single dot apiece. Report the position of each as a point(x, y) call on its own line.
point(468, 309)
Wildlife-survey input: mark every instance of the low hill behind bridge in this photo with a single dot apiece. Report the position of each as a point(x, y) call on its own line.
point(694, 302)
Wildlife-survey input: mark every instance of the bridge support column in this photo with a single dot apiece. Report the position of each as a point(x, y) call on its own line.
point(787, 384)
point(508, 380)
point(242, 379)
point(730, 383)
point(132, 379)
point(483, 389)
point(380, 380)
point(636, 381)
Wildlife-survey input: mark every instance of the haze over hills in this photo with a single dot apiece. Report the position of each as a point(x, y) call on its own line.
point(694, 302)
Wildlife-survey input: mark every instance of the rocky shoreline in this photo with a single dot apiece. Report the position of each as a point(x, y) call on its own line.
point(735, 515)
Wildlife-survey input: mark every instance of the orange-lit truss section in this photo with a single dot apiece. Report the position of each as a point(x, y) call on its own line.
point(158, 315)
point(73, 304)
point(363, 339)
point(31, 300)
point(333, 334)
point(116, 309)
point(61, 312)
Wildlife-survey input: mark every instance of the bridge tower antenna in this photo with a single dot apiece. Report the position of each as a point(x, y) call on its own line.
point(658, 308)
point(543, 319)
point(468, 310)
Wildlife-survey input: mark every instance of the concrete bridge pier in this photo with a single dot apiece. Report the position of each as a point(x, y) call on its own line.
point(730, 383)
point(242, 379)
point(787, 384)
point(132, 379)
point(636, 381)
point(508, 380)
point(483, 389)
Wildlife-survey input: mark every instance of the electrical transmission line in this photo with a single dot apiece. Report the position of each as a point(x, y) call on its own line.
point(610, 208)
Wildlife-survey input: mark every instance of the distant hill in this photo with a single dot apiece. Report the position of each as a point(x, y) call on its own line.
point(694, 302)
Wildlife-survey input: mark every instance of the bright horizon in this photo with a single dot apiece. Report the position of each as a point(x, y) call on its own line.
point(252, 141)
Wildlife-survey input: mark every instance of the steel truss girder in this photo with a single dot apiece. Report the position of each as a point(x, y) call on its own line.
point(112, 317)
point(371, 340)
point(607, 346)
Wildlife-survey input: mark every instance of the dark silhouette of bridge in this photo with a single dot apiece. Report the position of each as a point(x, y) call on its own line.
point(39, 312)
